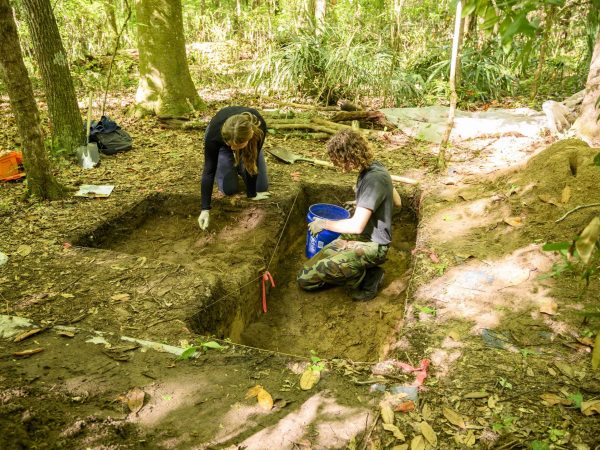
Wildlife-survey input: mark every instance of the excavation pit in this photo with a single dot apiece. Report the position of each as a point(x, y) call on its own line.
point(165, 227)
point(244, 240)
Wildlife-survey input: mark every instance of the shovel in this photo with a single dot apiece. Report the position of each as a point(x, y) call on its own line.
point(87, 155)
point(286, 156)
point(290, 158)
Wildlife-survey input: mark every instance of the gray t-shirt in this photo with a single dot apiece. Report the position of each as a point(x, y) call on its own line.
point(374, 191)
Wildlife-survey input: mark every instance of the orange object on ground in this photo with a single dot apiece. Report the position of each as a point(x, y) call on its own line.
point(266, 278)
point(10, 166)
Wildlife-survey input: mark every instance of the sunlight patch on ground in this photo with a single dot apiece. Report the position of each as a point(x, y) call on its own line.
point(482, 291)
point(443, 360)
point(492, 154)
point(167, 397)
point(463, 217)
point(320, 418)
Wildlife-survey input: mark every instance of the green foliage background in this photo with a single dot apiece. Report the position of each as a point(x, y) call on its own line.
point(367, 49)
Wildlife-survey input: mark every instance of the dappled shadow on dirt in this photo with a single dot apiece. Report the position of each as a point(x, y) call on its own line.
point(512, 351)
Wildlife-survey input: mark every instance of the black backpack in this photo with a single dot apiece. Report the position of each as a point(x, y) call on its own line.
point(110, 137)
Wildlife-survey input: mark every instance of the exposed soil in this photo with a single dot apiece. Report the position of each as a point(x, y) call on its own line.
point(91, 272)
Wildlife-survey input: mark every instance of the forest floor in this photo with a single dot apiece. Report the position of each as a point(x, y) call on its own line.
point(469, 345)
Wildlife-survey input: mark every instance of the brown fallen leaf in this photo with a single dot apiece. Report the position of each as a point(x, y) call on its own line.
point(516, 222)
point(394, 430)
point(476, 394)
point(565, 195)
point(454, 335)
point(27, 353)
point(23, 250)
point(400, 447)
point(454, 418)
point(406, 406)
point(309, 378)
point(591, 407)
point(553, 399)
point(426, 412)
point(135, 399)
point(586, 341)
point(565, 368)
point(549, 307)
point(120, 297)
point(586, 243)
point(264, 399)
point(387, 413)
point(428, 433)
point(68, 334)
point(596, 352)
point(548, 199)
point(28, 333)
point(253, 391)
point(418, 443)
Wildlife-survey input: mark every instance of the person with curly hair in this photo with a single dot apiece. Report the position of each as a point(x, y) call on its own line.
point(354, 260)
point(233, 146)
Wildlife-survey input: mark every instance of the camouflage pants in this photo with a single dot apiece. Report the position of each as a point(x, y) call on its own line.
point(341, 262)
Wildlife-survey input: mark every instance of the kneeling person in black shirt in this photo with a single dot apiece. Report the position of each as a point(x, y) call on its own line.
point(233, 146)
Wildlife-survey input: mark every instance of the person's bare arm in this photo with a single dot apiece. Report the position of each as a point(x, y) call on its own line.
point(354, 225)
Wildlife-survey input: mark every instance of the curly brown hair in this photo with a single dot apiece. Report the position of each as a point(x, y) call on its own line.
point(240, 128)
point(349, 150)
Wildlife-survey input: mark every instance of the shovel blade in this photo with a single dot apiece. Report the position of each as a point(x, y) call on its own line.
point(88, 155)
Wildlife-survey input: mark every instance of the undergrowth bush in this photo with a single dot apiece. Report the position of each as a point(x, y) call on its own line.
point(332, 65)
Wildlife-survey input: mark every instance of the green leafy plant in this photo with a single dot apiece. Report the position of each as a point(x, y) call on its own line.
point(555, 434)
point(190, 351)
point(576, 398)
point(506, 424)
point(526, 352)
point(539, 445)
point(504, 383)
point(317, 364)
point(579, 256)
point(426, 309)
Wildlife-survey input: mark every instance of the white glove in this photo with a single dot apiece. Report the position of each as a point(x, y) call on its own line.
point(261, 196)
point(316, 226)
point(204, 219)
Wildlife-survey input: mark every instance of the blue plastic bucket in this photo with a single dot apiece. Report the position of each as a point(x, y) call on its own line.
point(322, 211)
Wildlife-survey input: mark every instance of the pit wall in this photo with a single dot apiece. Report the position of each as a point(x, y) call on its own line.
point(228, 317)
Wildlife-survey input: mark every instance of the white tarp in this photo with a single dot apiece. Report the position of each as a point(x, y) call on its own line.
point(428, 123)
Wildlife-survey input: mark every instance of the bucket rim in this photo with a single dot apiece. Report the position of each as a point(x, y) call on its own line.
point(337, 208)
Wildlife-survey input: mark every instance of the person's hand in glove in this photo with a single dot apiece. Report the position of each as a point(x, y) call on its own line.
point(261, 196)
point(204, 219)
point(316, 226)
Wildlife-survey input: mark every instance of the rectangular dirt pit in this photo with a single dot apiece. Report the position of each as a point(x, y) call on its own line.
point(327, 322)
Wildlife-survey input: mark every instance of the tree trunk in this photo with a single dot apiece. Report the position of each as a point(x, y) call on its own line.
point(542, 58)
point(320, 12)
point(40, 182)
point(111, 16)
point(165, 87)
point(586, 126)
point(454, 62)
point(67, 123)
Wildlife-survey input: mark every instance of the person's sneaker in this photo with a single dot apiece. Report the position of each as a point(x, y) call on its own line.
point(370, 284)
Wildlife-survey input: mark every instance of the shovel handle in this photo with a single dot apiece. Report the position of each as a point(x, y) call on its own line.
point(405, 180)
point(317, 162)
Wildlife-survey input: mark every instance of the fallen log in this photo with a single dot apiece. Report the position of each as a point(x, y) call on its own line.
point(371, 116)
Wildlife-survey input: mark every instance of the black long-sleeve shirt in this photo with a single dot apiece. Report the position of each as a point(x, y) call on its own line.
point(213, 141)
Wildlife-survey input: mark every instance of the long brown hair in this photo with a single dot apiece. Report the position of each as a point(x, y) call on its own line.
point(240, 128)
point(349, 150)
